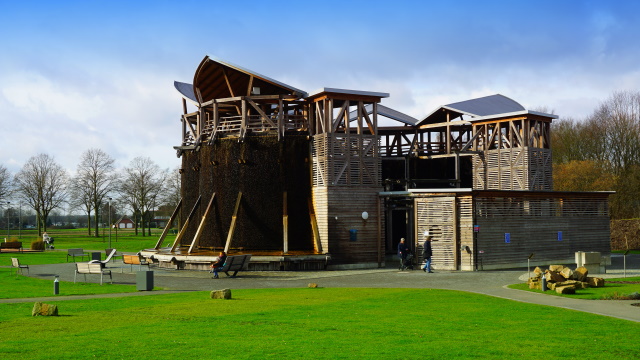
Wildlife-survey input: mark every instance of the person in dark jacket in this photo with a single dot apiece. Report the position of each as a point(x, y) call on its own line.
point(217, 266)
point(427, 252)
point(403, 251)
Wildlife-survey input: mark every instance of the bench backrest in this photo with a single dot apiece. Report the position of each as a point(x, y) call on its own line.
point(131, 259)
point(236, 262)
point(75, 252)
point(89, 268)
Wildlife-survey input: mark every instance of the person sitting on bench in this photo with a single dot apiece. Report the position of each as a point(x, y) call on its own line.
point(217, 266)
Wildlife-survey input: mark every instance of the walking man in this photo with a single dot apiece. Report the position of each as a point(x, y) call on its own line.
point(427, 252)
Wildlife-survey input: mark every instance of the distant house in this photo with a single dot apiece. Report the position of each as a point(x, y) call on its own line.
point(125, 223)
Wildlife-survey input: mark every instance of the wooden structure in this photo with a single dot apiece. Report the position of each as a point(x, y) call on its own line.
point(480, 229)
point(301, 180)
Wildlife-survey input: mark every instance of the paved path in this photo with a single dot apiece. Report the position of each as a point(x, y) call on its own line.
point(491, 283)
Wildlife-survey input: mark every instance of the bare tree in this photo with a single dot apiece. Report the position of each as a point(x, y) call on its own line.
point(5, 183)
point(42, 184)
point(94, 180)
point(81, 199)
point(140, 187)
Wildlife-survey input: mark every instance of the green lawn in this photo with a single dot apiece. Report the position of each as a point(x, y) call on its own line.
point(323, 323)
point(609, 291)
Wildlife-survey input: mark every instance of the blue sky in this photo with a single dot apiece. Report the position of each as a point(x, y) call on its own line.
point(76, 74)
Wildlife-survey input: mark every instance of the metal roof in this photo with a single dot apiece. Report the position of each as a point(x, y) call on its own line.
point(386, 112)
point(484, 106)
point(215, 79)
point(186, 90)
point(349, 92)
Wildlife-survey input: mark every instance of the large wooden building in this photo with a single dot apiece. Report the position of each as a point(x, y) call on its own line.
point(309, 180)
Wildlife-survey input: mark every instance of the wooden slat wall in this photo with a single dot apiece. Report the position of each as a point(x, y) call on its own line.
point(438, 215)
point(347, 204)
point(533, 223)
point(346, 160)
point(513, 169)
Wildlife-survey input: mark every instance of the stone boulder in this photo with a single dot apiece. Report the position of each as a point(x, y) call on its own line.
point(581, 273)
point(537, 272)
point(557, 268)
point(595, 282)
point(567, 273)
point(569, 289)
point(553, 276)
point(313, 285)
point(578, 284)
point(221, 294)
point(40, 309)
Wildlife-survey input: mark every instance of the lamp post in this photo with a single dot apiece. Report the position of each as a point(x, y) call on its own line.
point(20, 221)
point(109, 223)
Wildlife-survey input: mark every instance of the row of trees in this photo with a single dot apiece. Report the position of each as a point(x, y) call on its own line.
point(44, 185)
point(602, 152)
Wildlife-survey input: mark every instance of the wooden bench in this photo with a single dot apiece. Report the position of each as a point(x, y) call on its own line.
point(135, 260)
point(235, 263)
point(16, 245)
point(76, 252)
point(88, 268)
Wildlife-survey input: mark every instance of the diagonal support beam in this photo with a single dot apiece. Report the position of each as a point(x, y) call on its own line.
point(196, 238)
point(233, 223)
point(186, 224)
point(168, 226)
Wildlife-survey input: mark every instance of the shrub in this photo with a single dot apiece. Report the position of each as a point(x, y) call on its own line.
point(37, 245)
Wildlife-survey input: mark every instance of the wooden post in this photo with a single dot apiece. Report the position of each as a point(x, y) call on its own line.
point(186, 224)
point(285, 224)
point(196, 237)
point(317, 245)
point(233, 222)
point(379, 221)
point(166, 228)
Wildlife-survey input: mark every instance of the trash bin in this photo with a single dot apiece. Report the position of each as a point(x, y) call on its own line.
point(144, 280)
point(96, 256)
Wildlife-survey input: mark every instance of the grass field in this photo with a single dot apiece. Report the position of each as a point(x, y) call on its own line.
point(323, 323)
point(314, 324)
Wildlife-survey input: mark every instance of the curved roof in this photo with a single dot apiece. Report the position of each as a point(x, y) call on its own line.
point(215, 79)
point(484, 106)
point(186, 90)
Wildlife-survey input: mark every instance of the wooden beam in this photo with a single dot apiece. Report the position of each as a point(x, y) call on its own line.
point(264, 116)
point(250, 85)
point(196, 237)
point(168, 226)
point(285, 224)
point(232, 227)
point(317, 244)
point(185, 225)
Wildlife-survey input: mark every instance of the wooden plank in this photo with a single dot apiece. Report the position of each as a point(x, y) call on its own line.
point(317, 245)
point(185, 225)
point(232, 227)
point(168, 226)
point(285, 224)
point(196, 238)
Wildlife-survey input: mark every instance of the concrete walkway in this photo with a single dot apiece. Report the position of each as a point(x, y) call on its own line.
point(492, 283)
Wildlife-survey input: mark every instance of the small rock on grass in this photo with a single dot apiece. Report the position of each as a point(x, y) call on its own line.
point(221, 294)
point(40, 309)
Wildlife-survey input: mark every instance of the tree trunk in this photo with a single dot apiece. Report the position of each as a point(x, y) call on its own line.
point(89, 223)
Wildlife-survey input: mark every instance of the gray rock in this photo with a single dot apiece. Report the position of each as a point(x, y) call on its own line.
point(221, 294)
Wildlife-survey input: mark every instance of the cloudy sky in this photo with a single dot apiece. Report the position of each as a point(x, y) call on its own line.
point(76, 75)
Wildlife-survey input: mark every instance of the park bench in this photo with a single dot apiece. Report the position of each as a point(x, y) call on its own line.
point(135, 260)
point(76, 252)
point(235, 263)
point(89, 268)
point(15, 245)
